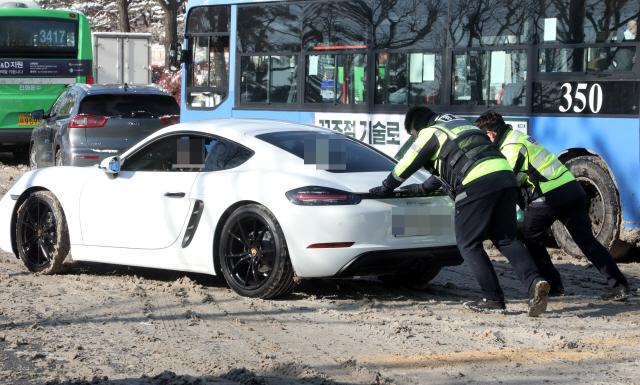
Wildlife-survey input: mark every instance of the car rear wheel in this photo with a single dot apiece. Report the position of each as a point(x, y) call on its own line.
point(253, 254)
point(42, 234)
point(421, 274)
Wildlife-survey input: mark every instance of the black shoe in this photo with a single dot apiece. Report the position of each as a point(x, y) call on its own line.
point(486, 306)
point(538, 295)
point(620, 292)
point(557, 290)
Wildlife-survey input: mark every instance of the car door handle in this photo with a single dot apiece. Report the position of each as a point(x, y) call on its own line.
point(174, 195)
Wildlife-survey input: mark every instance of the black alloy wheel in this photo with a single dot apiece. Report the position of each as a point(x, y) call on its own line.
point(42, 235)
point(253, 254)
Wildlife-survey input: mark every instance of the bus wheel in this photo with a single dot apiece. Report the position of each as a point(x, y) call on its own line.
point(603, 204)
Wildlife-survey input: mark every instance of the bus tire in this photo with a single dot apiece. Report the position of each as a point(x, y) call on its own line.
point(604, 208)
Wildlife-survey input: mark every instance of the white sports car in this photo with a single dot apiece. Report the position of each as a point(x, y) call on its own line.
point(258, 201)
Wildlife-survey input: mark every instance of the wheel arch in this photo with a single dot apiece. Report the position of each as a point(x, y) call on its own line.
point(572, 153)
point(218, 232)
point(14, 216)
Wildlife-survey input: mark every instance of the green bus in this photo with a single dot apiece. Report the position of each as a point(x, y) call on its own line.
point(41, 51)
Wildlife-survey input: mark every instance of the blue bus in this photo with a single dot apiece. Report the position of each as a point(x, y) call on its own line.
point(563, 71)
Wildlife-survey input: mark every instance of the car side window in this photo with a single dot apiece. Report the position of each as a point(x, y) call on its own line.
point(57, 105)
point(67, 104)
point(226, 155)
point(174, 153)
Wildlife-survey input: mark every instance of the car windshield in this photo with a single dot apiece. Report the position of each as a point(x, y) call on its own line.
point(343, 154)
point(129, 106)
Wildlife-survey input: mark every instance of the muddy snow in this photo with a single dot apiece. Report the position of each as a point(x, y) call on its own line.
point(106, 324)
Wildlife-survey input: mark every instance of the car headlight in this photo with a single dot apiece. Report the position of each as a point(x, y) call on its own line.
point(321, 196)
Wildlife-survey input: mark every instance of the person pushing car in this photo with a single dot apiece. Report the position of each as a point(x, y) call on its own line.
point(475, 174)
point(551, 193)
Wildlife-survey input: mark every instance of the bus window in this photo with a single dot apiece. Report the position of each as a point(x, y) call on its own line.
point(489, 78)
point(336, 79)
point(208, 81)
point(339, 25)
point(410, 24)
point(611, 59)
point(561, 60)
point(469, 74)
point(408, 78)
point(208, 19)
point(268, 79)
point(486, 23)
point(507, 78)
point(589, 21)
point(269, 28)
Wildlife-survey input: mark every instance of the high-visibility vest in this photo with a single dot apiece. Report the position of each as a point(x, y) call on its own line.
point(534, 165)
point(465, 153)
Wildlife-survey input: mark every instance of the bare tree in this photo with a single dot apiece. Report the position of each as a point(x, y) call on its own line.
point(170, 8)
point(123, 10)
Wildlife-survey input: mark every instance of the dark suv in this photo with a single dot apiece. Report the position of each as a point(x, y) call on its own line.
point(88, 123)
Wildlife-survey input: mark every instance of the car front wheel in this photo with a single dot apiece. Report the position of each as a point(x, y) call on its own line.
point(253, 254)
point(42, 234)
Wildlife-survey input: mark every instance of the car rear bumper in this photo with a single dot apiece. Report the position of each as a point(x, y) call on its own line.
point(15, 136)
point(371, 226)
point(78, 157)
point(394, 261)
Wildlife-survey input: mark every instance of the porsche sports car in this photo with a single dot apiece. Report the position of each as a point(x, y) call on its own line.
point(260, 202)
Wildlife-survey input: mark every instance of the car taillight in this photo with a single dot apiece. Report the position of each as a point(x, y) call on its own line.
point(170, 120)
point(321, 196)
point(82, 121)
point(90, 80)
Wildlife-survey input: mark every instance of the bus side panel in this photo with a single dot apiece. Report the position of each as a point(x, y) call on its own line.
point(616, 140)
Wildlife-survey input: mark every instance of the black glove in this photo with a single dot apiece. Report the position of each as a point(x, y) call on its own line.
point(415, 189)
point(380, 190)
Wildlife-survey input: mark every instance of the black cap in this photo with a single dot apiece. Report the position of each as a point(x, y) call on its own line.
point(417, 117)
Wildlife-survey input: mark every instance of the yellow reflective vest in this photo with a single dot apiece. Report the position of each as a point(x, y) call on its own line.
point(534, 165)
point(485, 156)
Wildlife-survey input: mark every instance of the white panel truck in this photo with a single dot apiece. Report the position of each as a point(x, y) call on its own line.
point(122, 57)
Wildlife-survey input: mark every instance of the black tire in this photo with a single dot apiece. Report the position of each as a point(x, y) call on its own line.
point(33, 163)
point(42, 235)
point(421, 274)
point(253, 254)
point(58, 158)
point(604, 208)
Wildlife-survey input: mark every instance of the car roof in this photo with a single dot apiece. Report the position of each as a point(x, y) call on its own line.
point(106, 89)
point(238, 129)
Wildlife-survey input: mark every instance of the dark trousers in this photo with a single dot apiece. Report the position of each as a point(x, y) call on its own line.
point(493, 217)
point(575, 218)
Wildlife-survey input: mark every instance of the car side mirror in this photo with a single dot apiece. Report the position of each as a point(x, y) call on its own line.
point(175, 56)
point(37, 115)
point(111, 166)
